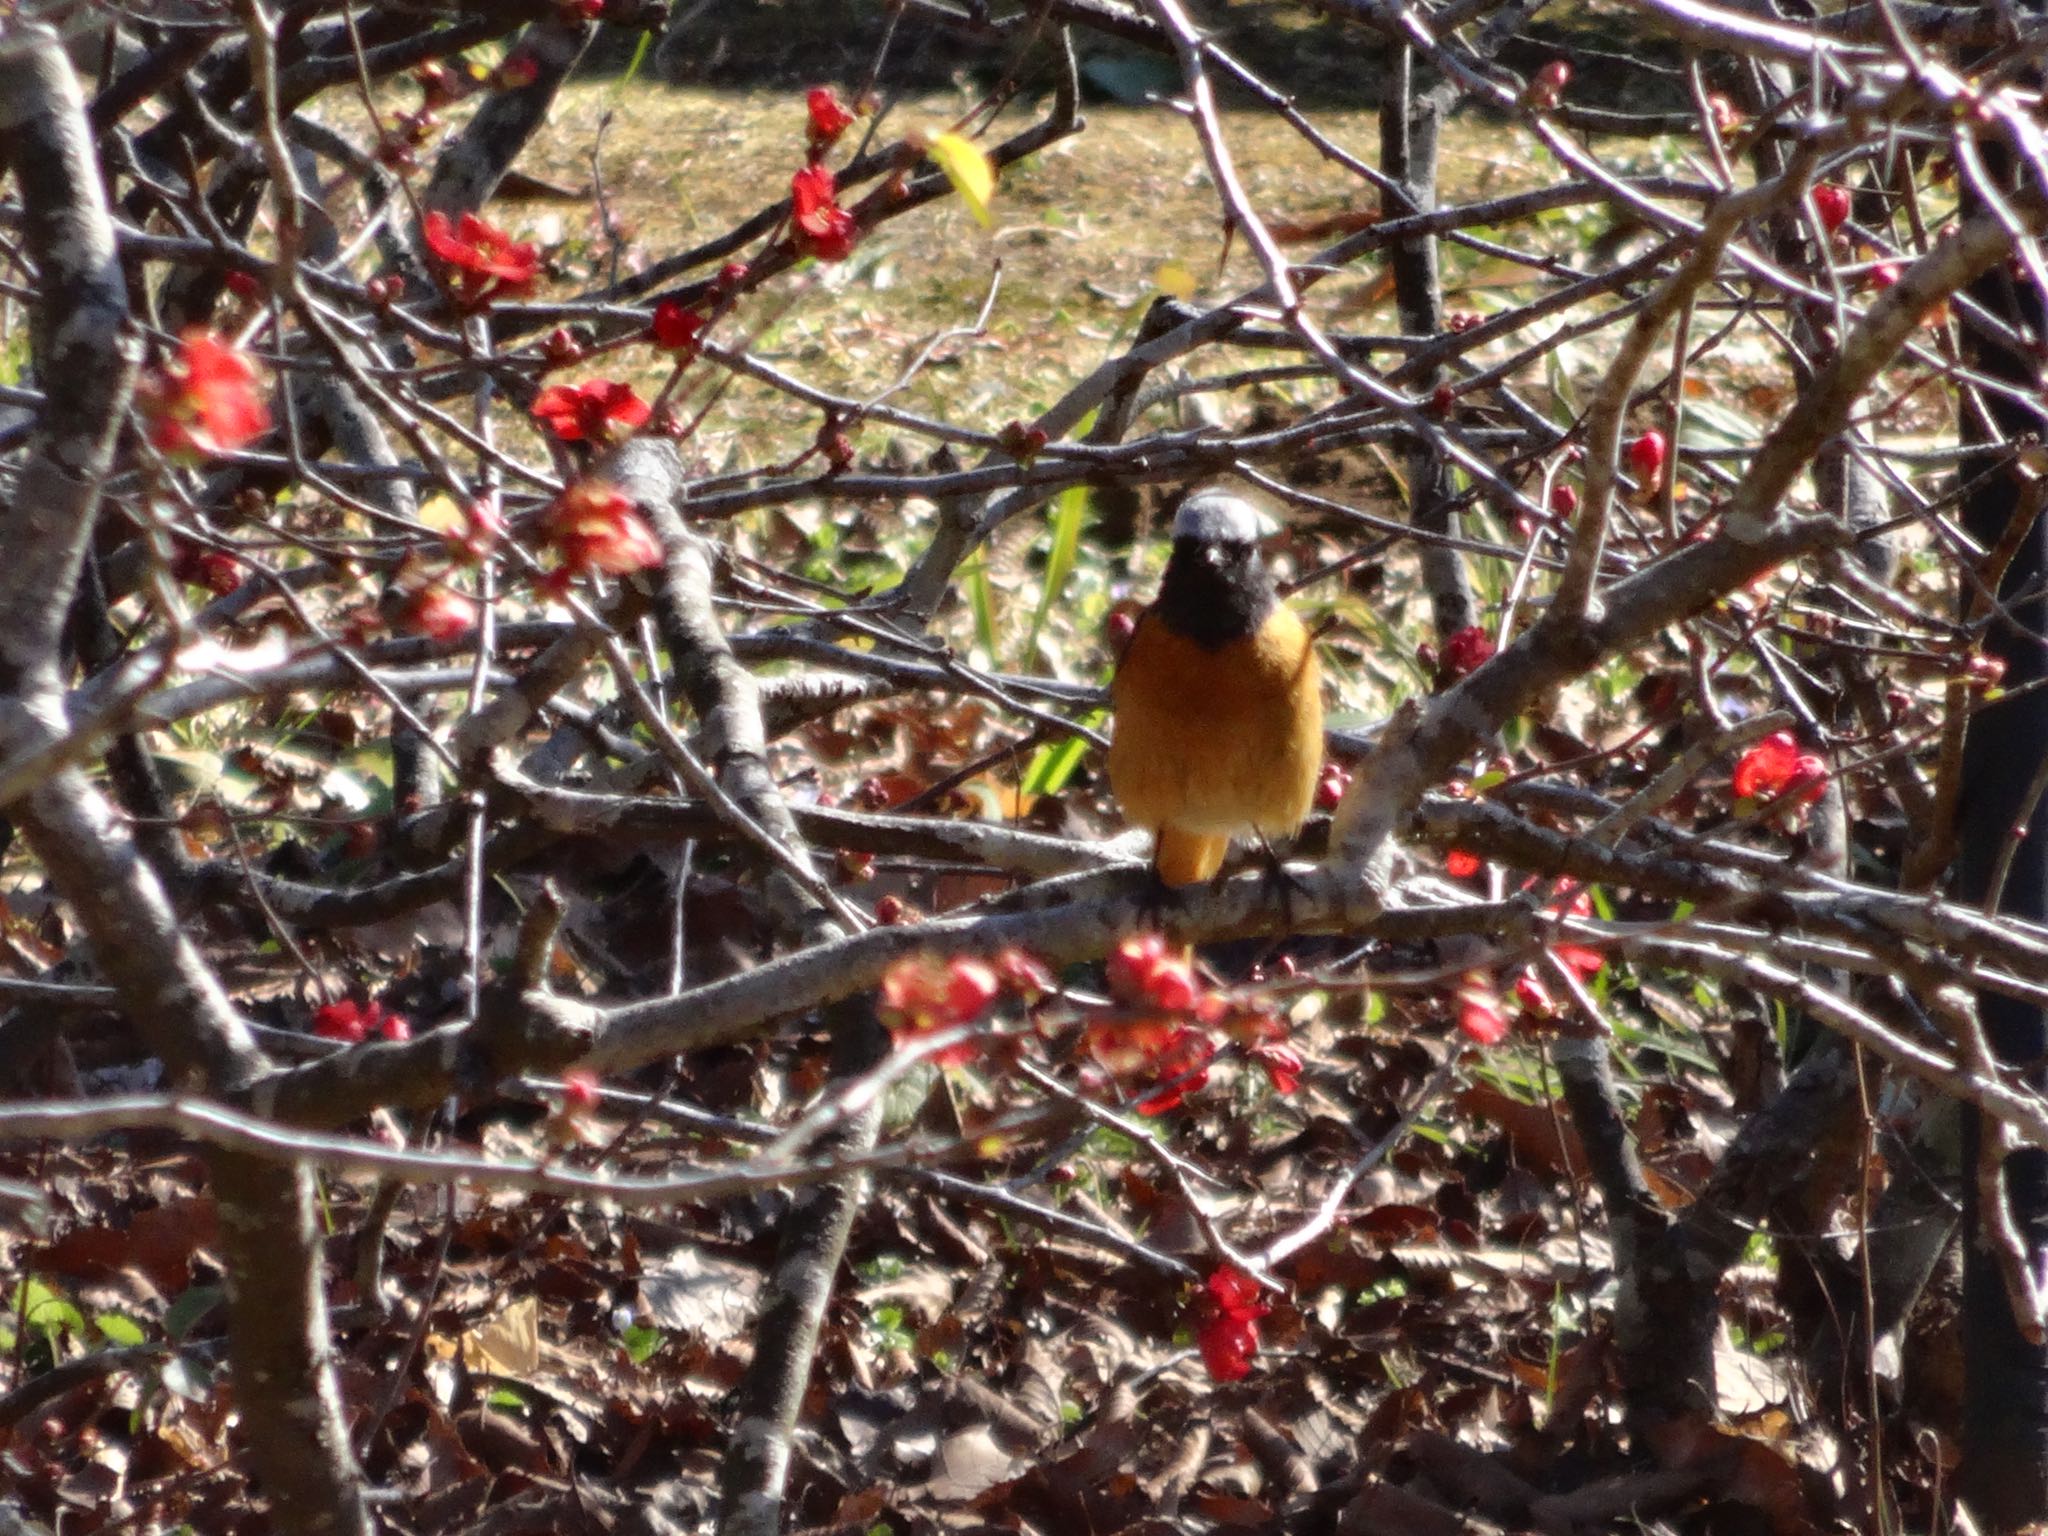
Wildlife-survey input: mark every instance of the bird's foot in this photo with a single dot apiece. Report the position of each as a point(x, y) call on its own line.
point(1277, 881)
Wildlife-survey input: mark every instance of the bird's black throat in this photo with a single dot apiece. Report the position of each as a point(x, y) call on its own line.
point(1214, 593)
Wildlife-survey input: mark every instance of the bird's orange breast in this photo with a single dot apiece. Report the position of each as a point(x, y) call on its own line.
point(1206, 744)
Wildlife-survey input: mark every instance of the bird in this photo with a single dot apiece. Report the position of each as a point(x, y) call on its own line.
point(1217, 705)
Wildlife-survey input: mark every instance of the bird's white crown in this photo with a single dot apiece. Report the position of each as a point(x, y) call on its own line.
point(1218, 517)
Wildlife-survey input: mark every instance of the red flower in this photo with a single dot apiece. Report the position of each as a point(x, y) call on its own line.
point(1020, 442)
point(595, 527)
point(677, 328)
point(1534, 996)
point(1282, 1063)
point(923, 993)
point(1024, 974)
point(1182, 1065)
point(1587, 962)
point(1460, 865)
point(1145, 970)
point(209, 568)
point(1463, 653)
point(520, 69)
point(353, 1022)
point(824, 229)
point(579, 1090)
point(589, 412)
point(1564, 501)
point(1170, 1054)
point(482, 528)
point(1775, 768)
point(829, 117)
point(482, 261)
point(1983, 670)
point(1577, 901)
point(439, 613)
point(206, 400)
point(1832, 204)
point(1479, 1011)
point(1228, 1332)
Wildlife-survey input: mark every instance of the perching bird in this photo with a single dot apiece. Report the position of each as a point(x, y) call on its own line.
point(1218, 701)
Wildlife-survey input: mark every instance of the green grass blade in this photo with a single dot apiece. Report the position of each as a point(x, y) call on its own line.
point(1052, 765)
point(1067, 511)
point(981, 599)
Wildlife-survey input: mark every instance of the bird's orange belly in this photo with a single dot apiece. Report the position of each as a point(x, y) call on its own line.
point(1217, 743)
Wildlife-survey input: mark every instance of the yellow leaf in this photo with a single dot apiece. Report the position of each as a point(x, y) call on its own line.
point(507, 1345)
point(969, 171)
point(1175, 281)
point(440, 513)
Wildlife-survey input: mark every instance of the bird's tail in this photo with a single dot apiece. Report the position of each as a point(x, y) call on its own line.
point(1188, 858)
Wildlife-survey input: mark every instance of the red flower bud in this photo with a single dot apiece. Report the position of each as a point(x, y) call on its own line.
point(1464, 653)
point(1020, 442)
point(829, 118)
point(1646, 457)
point(561, 348)
point(1832, 204)
point(1479, 1010)
point(677, 328)
point(1546, 87)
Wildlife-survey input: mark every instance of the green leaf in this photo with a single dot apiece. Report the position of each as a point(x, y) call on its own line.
point(46, 1311)
point(641, 1342)
point(190, 1309)
point(118, 1329)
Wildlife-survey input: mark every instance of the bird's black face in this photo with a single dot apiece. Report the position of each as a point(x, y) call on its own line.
point(1214, 590)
